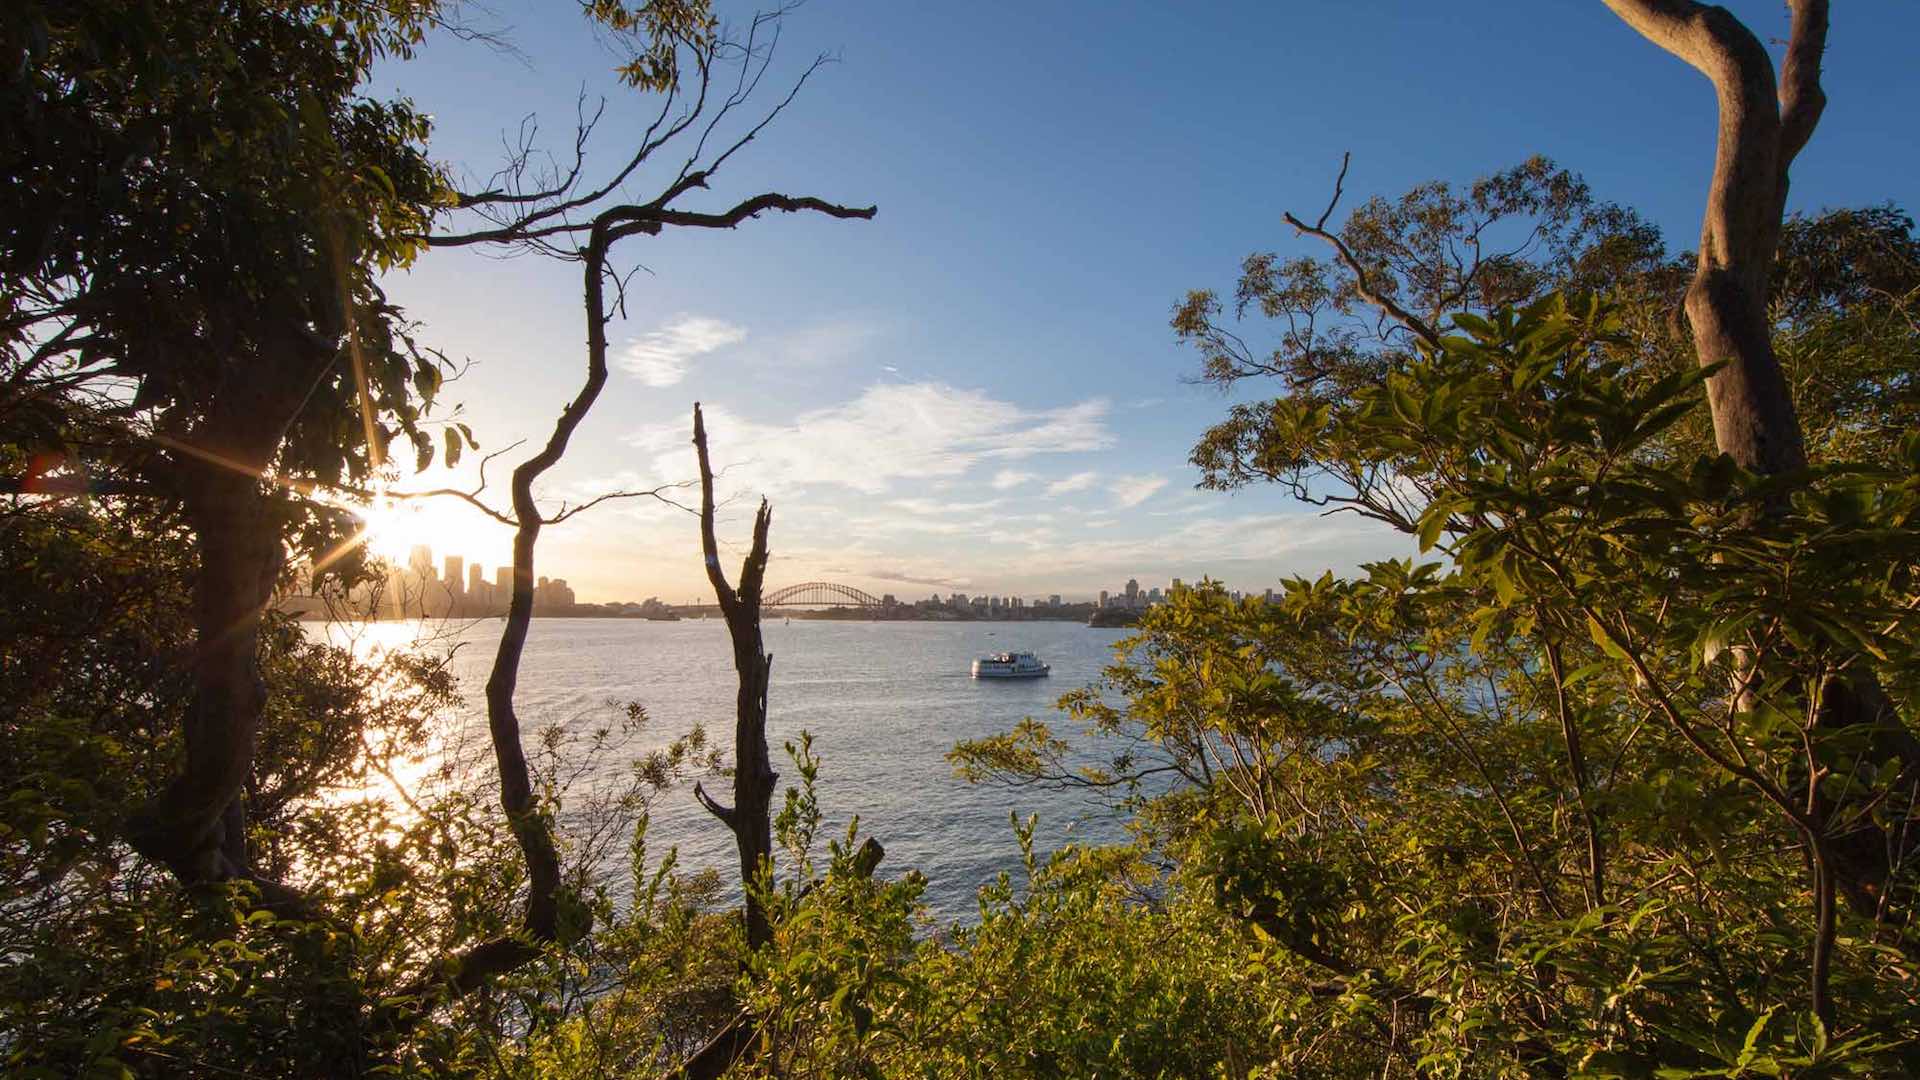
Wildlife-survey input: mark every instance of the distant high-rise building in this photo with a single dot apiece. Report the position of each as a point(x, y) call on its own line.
point(1133, 593)
point(456, 574)
point(503, 581)
point(1053, 600)
point(420, 560)
point(1103, 598)
point(393, 599)
point(1175, 586)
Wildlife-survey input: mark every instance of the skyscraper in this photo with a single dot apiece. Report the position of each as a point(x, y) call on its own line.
point(456, 573)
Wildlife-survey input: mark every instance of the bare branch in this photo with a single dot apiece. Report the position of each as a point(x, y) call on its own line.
point(724, 813)
point(650, 493)
point(1339, 184)
point(1363, 282)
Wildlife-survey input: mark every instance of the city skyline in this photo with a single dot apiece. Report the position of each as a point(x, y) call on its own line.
point(445, 570)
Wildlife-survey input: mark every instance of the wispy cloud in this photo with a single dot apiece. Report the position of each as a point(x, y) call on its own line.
point(892, 432)
point(661, 357)
point(1079, 481)
point(915, 579)
point(937, 506)
point(824, 343)
point(1130, 491)
point(1008, 479)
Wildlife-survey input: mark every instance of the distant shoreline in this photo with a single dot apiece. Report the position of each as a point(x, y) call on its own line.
point(766, 617)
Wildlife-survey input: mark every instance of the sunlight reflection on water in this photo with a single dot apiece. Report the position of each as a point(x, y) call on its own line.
point(884, 701)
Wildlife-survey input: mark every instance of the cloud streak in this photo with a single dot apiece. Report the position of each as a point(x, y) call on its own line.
point(661, 357)
point(1131, 491)
point(1079, 481)
point(891, 433)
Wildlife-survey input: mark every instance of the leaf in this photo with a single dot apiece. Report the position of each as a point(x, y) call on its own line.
point(1604, 640)
point(453, 447)
point(1503, 583)
point(1433, 523)
point(1475, 325)
point(1753, 1032)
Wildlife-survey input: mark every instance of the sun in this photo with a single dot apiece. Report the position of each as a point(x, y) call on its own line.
point(396, 527)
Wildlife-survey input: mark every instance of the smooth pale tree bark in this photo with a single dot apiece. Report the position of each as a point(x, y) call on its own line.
point(1763, 125)
point(1764, 122)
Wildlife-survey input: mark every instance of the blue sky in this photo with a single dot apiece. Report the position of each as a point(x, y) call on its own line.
point(978, 390)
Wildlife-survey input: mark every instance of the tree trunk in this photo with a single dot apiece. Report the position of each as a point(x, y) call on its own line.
point(472, 969)
point(1763, 125)
point(750, 817)
point(197, 826)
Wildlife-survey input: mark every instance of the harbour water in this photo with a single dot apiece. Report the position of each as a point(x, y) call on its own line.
point(884, 701)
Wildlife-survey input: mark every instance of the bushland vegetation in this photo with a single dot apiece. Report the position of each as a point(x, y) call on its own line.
point(1618, 778)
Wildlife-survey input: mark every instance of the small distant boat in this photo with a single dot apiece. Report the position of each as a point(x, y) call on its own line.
point(1009, 665)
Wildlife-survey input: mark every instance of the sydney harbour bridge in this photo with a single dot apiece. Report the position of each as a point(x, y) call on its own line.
point(819, 594)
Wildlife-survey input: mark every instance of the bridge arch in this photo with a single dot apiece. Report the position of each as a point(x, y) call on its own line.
point(819, 592)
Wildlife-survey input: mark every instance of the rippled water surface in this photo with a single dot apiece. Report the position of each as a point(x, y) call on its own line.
point(884, 701)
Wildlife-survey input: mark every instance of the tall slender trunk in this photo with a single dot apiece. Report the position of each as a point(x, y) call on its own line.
point(750, 817)
point(533, 831)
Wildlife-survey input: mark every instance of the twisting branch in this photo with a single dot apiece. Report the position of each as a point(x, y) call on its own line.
point(1762, 126)
point(535, 229)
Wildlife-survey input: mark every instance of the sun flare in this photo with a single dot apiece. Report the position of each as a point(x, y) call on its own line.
point(395, 527)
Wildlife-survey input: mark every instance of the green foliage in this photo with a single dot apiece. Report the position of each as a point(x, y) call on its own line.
point(195, 192)
point(1847, 329)
point(1547, 807)
point(1597, 792)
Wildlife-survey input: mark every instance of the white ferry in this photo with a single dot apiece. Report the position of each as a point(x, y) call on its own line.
point(1009, 665)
